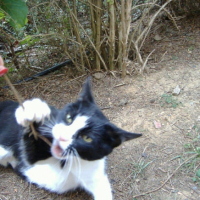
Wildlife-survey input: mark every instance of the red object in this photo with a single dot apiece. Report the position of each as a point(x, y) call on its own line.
point(3, 70)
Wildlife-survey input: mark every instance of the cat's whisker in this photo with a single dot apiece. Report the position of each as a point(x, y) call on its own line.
point(77, 161)
point(68, 163)
point(63, 171)
point(45, 129)
point(49, 124)
point(65, 154)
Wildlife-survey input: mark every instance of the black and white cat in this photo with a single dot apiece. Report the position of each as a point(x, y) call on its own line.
point(81, 139)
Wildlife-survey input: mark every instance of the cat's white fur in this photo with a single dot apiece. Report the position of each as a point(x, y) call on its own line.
point(32, 110)
point(90, 175)
point(7, 157)
point(48, 173)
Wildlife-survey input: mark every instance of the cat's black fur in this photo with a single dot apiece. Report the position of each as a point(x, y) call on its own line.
point(26, 151)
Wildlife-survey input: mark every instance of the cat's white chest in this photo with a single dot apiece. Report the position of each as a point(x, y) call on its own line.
point(89, 175)
point(49, 174)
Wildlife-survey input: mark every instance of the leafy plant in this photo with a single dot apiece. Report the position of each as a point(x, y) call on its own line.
point(196, 178)
point(167, 100)
point(29, 40)
point(16, 12)
point(193, 147)
point(139, 167)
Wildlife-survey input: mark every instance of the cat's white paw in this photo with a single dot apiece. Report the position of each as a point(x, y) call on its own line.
point(34, 110)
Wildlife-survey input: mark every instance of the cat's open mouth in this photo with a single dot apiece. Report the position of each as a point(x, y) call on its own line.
point(57, 151)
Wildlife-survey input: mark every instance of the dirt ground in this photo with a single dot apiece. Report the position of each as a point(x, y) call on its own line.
point(154, 164)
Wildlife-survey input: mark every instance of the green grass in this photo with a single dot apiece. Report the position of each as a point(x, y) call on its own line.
point(169, 101)
point(139, 168)
point(192, 148)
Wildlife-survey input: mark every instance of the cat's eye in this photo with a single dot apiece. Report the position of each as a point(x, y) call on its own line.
point(87, 139)
point(68, 119)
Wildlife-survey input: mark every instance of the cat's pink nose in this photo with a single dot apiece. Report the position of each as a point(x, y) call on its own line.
point(63, 139)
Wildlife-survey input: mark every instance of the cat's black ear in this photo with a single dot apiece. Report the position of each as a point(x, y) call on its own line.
point(86, 93)
point(119, 135)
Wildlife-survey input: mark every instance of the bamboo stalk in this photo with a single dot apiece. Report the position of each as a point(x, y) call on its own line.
point(111, 12)
point(91, 42)
point(123, 39)
point(77, 33)
point(98, 33)
point(92, 19)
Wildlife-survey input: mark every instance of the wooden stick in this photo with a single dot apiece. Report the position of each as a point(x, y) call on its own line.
point(19, 99)
point(3, 71)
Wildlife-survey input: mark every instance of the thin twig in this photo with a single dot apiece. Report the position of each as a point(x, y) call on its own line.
point(44, 139)
point(144, 34)
point(119, 85)
point(105, 108)
point(146, 60)
point(19, 99)
point(158, 188)
point(162, 57)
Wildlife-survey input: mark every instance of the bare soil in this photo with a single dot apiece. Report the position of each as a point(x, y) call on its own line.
point(136, 104)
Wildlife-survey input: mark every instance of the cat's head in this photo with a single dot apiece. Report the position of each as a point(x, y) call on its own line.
point(82, 128)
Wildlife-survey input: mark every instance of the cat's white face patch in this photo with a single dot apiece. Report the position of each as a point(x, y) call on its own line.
point(63, 134)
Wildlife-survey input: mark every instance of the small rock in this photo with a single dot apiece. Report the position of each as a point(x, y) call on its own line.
point(152, 101)
point(157, 37)
point(98, 75)
point(144, 155)
point(176, 91)
point(122, 102)
point(137, 180)
point(191, 103)
point(195, 188)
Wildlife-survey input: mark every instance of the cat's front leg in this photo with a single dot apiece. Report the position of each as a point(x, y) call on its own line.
point(100, 188)
point(33, 110)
